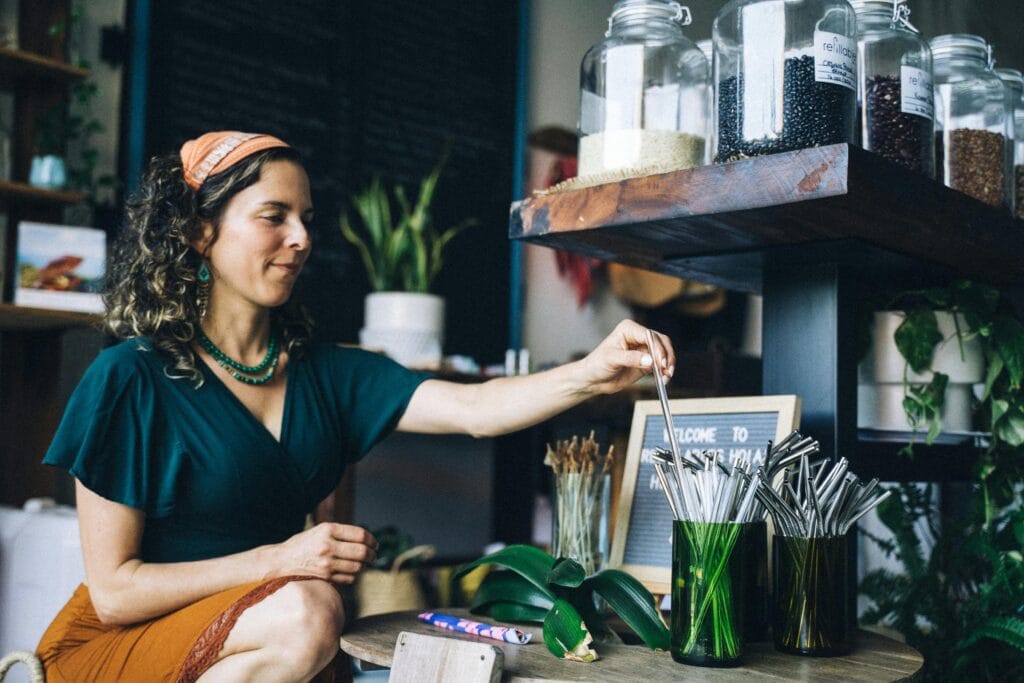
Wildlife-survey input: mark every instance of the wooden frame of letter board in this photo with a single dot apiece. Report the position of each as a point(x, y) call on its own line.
point(658, 579)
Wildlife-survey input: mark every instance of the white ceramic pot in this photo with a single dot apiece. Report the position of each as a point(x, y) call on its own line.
point(48, 172)
point(880, 390)
point(884, 363)
point(407, 326)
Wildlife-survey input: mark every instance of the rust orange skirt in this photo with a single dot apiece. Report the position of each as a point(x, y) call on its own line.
point(178, 646)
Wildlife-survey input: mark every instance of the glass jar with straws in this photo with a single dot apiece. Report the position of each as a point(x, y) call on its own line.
point(580, 521)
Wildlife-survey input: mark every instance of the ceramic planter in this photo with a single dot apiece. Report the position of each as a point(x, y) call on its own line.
point(880, 389)
point(407, 326)
point(48, 172)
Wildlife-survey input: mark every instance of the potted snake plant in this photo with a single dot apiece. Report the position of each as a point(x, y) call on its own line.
point(402, 252)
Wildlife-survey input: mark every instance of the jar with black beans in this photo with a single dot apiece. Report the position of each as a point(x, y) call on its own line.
point(785, 75)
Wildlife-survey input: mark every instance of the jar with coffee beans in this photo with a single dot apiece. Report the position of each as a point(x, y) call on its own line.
point(895, 102)
point(972, 125)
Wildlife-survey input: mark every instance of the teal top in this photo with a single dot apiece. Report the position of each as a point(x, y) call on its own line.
point(208, 475)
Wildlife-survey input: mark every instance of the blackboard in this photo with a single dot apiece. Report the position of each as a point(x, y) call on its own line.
point(735, 426)
point(360, 89)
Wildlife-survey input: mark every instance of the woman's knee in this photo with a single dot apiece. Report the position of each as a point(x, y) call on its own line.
point(310, 610)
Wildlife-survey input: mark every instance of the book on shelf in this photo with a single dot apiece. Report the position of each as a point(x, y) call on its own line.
point(60, 267)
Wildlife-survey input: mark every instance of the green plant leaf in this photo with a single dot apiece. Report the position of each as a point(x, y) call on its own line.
point(567, 572)
point(533, 564)
point(1008, 342)
point(565, 634)
point(916, 338)
point(509, 587)
point(634, 604)
point(513, 611)
point(1009, 630)
point(995, 368)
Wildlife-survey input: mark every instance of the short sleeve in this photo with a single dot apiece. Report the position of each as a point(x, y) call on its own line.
point(372, 391)
point(113, 437)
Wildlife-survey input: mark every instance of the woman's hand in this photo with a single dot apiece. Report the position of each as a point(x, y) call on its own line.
point(623, 357)
point(330, 551)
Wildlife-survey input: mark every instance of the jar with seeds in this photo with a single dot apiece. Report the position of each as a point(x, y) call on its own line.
point(895, 102)
point(643, 95)
point(785, 75)
point(1013, 86)
point(972, 126)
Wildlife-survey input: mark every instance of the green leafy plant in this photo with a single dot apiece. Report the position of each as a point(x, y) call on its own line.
point(400, 248)
point(1002, 340)
point(962, 604)
point(558, 593)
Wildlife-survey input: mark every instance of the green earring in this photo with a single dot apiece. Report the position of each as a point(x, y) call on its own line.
point(203, 289)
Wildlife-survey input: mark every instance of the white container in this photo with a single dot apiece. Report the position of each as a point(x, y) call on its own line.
point(40, 567)
point(407, 326)
point(880, 389)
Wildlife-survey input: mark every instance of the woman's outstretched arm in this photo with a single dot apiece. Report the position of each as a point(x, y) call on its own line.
point(507, 404)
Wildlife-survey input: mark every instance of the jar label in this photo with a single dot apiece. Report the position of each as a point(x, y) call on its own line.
point(916, 95)
point(835, 59)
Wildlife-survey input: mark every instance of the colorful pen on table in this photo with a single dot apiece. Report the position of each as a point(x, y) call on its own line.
point(504, 633)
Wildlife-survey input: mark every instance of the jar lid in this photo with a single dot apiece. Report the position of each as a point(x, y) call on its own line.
point(860, 6)
point(1011, 77)
point(638, 9)
point(959, 43)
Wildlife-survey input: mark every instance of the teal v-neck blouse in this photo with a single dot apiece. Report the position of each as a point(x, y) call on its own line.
point(208, 475)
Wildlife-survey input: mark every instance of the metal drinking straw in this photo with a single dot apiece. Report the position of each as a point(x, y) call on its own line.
point(659, 381)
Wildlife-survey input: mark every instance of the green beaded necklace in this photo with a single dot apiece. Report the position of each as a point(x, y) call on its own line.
point(236, 369)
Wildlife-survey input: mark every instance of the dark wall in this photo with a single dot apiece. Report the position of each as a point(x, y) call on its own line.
point(359, 88)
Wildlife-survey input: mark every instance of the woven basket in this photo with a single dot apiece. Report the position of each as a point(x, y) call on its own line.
point(379, 591)
point(35, 668)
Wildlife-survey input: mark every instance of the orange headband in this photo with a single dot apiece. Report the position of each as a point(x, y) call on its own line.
point(218, 151)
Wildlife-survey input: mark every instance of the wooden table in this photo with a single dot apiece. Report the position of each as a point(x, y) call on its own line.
point(874, 658)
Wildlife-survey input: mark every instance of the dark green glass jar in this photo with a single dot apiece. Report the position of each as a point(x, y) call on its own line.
point(707, 593)
point(811, 613)
point(756, 622)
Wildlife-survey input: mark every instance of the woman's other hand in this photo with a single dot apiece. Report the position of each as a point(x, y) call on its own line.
point(330, 551)
point(623, 357)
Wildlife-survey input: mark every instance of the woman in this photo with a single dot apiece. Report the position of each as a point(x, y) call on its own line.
point(200, 443)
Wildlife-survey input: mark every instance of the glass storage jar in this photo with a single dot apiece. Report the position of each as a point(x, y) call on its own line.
point(785, 74)
point(706, 47)
point(971, 122)
point(1013, 87)
point(643, 93)
point(895, 102)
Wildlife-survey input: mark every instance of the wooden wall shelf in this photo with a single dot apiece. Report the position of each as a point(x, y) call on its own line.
point(19, 66)
point(27, 194)
point(814, 231)
point(24, 318)
point(718, 223)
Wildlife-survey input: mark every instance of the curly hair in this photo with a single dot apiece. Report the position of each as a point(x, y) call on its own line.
point(151, 284)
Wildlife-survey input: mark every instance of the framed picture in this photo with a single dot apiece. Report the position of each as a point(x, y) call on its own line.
point(734, 427)
point(60, 267)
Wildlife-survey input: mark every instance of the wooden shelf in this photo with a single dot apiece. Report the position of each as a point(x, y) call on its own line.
point(24, 318)
point(719, 224)
point(25, 193)
point(19, 66)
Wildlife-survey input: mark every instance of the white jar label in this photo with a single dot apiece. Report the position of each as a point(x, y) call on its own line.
point(916, 95)
point(835, 59)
